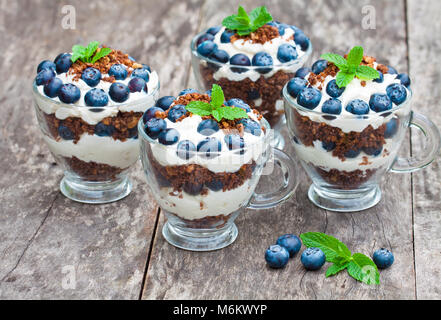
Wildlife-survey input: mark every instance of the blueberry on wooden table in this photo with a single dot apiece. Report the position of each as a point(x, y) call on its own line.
point(276, 256)
point(313, 258)
point(291, 243)
point(383, 258)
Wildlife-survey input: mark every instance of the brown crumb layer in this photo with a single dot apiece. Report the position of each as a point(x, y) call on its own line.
point(262, 35)
point(267, 89)
point(93, 171)
point(345, 180)
point(206, 223)
point(124, 124)
point(308, 131)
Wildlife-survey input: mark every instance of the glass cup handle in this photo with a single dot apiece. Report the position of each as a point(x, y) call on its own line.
point(289, 183)
point(430, 151)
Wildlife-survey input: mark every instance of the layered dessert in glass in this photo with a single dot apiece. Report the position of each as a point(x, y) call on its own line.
point(254, 64)
point(88, 103)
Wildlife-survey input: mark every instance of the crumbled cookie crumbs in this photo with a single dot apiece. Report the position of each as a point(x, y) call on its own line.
point(262, 35)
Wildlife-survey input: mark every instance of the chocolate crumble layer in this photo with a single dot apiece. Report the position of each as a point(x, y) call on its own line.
point(345, 180)
point(93, 171)
point(209, 222)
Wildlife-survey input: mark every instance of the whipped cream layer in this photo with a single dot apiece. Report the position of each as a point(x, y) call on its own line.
point(93, 148)
point(319, 157)
point(250, 49)
point(137, 102)
point(226, 161)
point(214, 203)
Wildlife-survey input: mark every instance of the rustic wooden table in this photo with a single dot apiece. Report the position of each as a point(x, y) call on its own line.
point(51, 247)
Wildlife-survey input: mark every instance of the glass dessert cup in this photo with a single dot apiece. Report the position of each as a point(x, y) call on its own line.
point(202, 197)
point(95, 166)
point(347, 156)
point(261, 91)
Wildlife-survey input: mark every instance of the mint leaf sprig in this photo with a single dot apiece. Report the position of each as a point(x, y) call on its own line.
point(244, 24)
point(215, 108)
point(89, 54)
point(359, 266)
point(350, 67)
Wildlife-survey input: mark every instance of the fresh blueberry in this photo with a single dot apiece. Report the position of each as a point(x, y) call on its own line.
point(186, 149)
point(168, 136)
point(187, 91)
point(332, 106)
point(313, 258)
point(253, 94)
point(215, 185)
point(391, 128)
point(204, 37)
point(214, 30)
point(380, 102)
point(151, 113)
point(103, 130)
point(251, 126)
point(353, 153)
point(333, 90)
point(96, 98)
point(328, 145)
point(391, 70)
point(303, 72)
point(380, 79)
point(63, 62)
point(309, 98)
point(193, 188)
point(319, 66)
point(280, 26)
point(176, 112)
point(208, 92)
point(46, 64)
point(165, 102)
point(69, 93)
point(296, 85)
point(276, 256)
point(372, 151)
point(234, 141)
point(291, 243)
point(226, 36)
point(91, 76)
point(52, 88)
point(286, 53)
point(208, 127)
point(144, 66)
point(210, 147)
point(137, 85)
point(119, 92)
point(119, 71)
point(220, 56)
point(65, 133)
point(357, 107)
point(238, 103)
point(240, 60)
point(44, 76)
point(141, 73)
point(383, 258)
point(397, 93)
point(206, 48)
point(404, 78)
point(301, 39)
point(154, 126)
point(262, 59)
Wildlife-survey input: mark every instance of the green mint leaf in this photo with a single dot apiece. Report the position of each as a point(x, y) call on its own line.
point(102, 53)
point(199, 108)
point(366, 73)
point(244, 24)
point(232, 24)
point(260, 17)
point(355, 56)
point(363, 269)
point(232, 113)
point(217, 96)
point(77, 52)
point(344, 78)
point(336, 59)
point(331, 247)
point(336, 268)
point(242, 16)
point(90, 50)
point(217, 114)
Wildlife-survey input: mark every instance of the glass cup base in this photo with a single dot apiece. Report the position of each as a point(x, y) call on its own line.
point(95, 192)
point(344, 201)
point(200, 239)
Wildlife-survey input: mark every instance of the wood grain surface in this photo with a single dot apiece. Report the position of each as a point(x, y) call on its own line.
point(117, 250)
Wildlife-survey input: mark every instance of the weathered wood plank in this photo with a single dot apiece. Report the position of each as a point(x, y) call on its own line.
point(424, 52)
point(239, 271)
point(41, 232)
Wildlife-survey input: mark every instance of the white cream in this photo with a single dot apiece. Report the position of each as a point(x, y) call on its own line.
point(319, 157)
point(213, 203)
point(92, 148)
